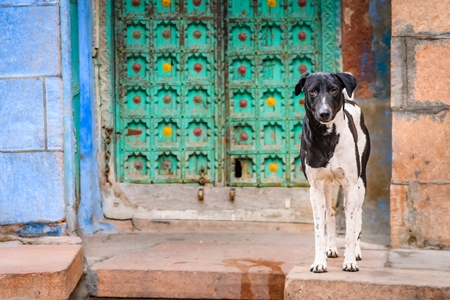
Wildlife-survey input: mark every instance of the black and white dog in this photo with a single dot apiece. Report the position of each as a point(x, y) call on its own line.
point(335, 147)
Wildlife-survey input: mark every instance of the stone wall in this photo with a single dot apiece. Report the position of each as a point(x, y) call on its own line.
point(31, 113)
point(420, 186)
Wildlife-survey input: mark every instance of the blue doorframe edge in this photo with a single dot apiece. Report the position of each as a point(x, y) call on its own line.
point(69, 138)
point(89, 211)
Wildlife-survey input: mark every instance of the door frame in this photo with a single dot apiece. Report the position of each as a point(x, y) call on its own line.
point(115, 197)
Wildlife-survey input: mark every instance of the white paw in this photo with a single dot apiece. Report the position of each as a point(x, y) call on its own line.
point(350, 267)
point(318, 268)
point(332, 253)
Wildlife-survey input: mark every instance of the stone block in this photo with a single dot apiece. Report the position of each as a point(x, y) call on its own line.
point(398, 205)
point(433, 209)
point(420, 146)
point(21, 114)
point(48, 272)
point(382, 283)
point(31, 187)
point(427, 18)
point(55, 112)
point(432, 75)
point(30, 41)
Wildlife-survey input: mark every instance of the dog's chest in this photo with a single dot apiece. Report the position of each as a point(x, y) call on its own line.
point(341, 163)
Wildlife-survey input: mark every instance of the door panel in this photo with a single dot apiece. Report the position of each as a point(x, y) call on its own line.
point(167, 104)
point(271, 43)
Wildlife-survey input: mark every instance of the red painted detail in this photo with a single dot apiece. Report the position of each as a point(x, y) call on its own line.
point(301, 36)
point(138, 165)
point(243, 136)
point(302, 101)
point(197, 34)
point(167, 164)
point(197, 99)
point(134, 131)
point(137, 99)
point(167, 99)
point(197, 2)
point(136, 67)
point(197, 131)
point(137, 34)
point(242, 70)
point(302, 3)
point(135, 2)
point(243, 103)
point(198, 67)
point(242, 36)
point(302, 69)
point(166, 34)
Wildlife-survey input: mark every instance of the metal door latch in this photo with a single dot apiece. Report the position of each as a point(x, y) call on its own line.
point(201, 194)
point(232, 194)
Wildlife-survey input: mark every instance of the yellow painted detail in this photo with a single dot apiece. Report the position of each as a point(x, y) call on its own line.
point(273, 167)
point(167, 67)
point(271, 101)
point(165, 3)
point(167, 131)
point(272, 3)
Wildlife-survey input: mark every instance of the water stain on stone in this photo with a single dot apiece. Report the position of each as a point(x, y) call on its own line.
point(275, 279)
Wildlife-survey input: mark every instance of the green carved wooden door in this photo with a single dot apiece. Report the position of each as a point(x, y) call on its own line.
point(205, 88)
point(168, 102)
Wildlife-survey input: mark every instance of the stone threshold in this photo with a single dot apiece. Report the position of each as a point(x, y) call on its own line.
point(40, 268)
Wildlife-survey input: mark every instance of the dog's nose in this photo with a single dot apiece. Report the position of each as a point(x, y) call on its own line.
point(324, 114)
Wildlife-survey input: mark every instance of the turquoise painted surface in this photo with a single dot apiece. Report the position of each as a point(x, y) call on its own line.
point(166, 98)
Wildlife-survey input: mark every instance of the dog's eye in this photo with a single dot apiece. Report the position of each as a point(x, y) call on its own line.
point(312, 92)
point(333, 90)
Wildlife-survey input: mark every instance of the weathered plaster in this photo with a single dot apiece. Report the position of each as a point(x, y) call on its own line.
point(366, 33)
point(54, 113)
point(22, 116)
point(30, 41)
point(33, 183)
point(31, 187)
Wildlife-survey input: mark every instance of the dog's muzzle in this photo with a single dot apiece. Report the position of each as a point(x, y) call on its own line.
point(324, 115)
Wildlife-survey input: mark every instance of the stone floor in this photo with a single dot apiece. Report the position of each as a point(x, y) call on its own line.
point(255, 263)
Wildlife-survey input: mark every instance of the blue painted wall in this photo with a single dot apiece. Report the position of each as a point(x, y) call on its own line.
point(32, 137)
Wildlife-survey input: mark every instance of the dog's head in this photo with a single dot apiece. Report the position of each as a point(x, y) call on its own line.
point(323, 93)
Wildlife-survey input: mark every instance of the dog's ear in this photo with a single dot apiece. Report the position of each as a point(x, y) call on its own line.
point(300, 84)
point(349, 81)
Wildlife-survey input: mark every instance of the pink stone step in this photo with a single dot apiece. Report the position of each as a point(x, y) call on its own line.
point(40, 271)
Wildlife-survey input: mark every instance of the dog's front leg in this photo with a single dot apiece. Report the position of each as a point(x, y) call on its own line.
point(330, 217)
point(317, 198)
point(352, 216)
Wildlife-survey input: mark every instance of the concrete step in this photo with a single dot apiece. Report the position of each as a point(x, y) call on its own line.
point(39, 271)
point(399, 274)
point(202, 264)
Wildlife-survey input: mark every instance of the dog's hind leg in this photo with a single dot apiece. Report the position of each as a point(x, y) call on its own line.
point(358, 219)
point(318, 203)
point(353, 208)
point(331, 192)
